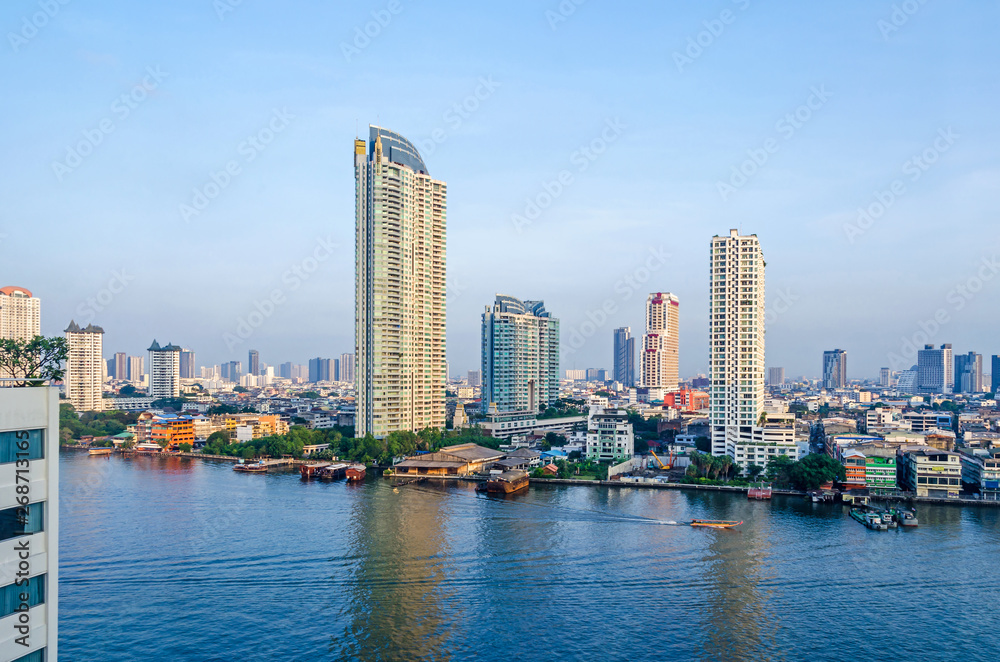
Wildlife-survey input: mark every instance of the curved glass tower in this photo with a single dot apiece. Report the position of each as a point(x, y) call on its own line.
point(399, 327)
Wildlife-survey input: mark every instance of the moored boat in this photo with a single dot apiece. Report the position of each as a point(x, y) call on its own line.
point(100, 451)
point(716, 523)
point(355, 473)
point(759, 492)
point(251, 468)
point(905, 516)
point(312, 470)
point(870, 519)
point(508, 482)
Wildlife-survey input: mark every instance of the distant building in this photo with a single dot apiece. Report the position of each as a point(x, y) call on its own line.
point(624, 357)
point(84, 367)
point(834, 369)
point(885, 377)
point(907, 382)
point(285, 370)
point(253, 362)
point(164, 370)
point(935, 370)
point(321, 370)
point(232, 371)
point(969, 373)
point(20, 314)
point(475, 378)
point(576, 375)
point(135, 368)
point(520, 355)
point(347, 368)
point(775, 376)
point(658, 361)
point(187, 366)
point(686, 400)
point(609, 436)
point(120, 371)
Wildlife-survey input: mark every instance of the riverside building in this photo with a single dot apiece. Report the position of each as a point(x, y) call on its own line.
point(520, 356)
point(659, 357)
point(736, 355)
point(164, 370)
point(399, 334)
point(84, 367)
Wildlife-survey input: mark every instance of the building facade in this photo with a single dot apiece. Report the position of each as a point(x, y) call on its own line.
point(624, 357)
point(121, 366)
point(253, 362)
point(969, 373)
point(347, 368)
point(520, 356)
point(187, 367)
point(84, 367)
point(609, 436)
point(658, 361)
point(135, 368)
point(400, 287)
point(29, 538)
point(20, 314)
point(835, 369)
point(164, 370)
point(935, 372)
point(775, 376)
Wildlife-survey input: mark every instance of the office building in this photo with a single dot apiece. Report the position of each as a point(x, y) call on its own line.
point(335, 370)
point(321, 370)
point(188, 369)
point(576, 375)
point(285, 370)
point(736, 353)
point(135, 368)
point(120, 363)
point(520, 356)
point(907, 381)
point(969, 373)
point(775, 376)
point(253, 363)
point(164, 370)
point(29, 537)
point(994, 373)
point(624, 357)
point(347, 368)
point(475, 378)
point(399, 287)
point(20, 314)
point(85, 367)
point(885, 377)
point(835, 369)
point(658, 361)
point(935, 370)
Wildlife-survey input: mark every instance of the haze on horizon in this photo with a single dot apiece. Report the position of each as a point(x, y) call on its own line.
point(623, 123)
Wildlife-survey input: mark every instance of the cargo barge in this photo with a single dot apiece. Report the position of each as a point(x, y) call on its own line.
point(508, 482)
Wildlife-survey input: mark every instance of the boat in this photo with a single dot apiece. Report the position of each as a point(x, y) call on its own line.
point(905, 517)
point(716, 523)
point(312, 470)
point(100, 451)
point(355, 473)
point(870, 519)
point(332, 472)
point(252, 468)
point(759, 492)
point(508, 482)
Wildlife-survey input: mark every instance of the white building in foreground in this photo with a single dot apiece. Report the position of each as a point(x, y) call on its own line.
point(609, 436)
point(29, 522)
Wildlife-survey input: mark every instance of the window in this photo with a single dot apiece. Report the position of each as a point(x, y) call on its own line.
point(14, 523)
point(10, 595)
point(9, 445)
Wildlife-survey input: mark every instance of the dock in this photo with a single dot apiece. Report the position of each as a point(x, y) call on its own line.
point(267, 465)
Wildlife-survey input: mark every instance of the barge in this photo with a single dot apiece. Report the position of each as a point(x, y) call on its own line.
point(870, 519)
point(312, 470)
point(355, 473)
point(252, 468)
point(759, 492)
point(508, 482)
point(905, 517)
point(100, 451)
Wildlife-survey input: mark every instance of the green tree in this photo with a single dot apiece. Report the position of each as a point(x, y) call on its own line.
point(33, 361)
point(814, 470)
point(753, 471)
point(185, 447)
point(240, 389)
point(703, 444)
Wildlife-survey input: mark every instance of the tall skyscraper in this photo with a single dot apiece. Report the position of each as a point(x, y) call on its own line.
point(835, 369)
point(135, 368)
point(736, 340)
point(20, 314)
point(253, 363)
point(187, 368)
point(775, 376)
point(994, 374)
point(121, 366)
point(335, 370)
point(319, 370)
point(935, 370)
point(885, 377)
point(520, 355)
point(84, 367)
point(659, 357)
point(285, 370)
point(164, 370)
point(969, 373)
point(399, 330)
point(474, 378)
point(347, 368)
point(624, 357)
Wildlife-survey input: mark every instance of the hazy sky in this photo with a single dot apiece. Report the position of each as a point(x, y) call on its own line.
point(115, 113)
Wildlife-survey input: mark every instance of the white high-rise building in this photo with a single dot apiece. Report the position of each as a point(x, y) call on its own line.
point(29, 549)
point(20, 314)
point(85, 367)
point(164, 370)
point(658, 364)
point(399, 331)
point(736, 356)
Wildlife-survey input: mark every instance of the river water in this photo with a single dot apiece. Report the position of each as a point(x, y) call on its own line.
point(179, 559)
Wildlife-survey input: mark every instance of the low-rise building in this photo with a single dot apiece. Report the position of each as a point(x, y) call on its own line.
point(609, 436)
point(929, 472)
point(503, 425)
point(927, 421)
point(981, 471)
point(460, 460)
point(773, 438)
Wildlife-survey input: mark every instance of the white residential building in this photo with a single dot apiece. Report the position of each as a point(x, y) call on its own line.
point(164, 370)
point(609, 436)
point(85, 367)
point(658, 363)
point(29, 542)
point(20, 314)
point(736, 353)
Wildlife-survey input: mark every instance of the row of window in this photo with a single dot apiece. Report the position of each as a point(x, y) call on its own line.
point(22, 445)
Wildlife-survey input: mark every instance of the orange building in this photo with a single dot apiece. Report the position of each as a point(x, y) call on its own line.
point(855, 465)
point(174, 430)
point(686, 400)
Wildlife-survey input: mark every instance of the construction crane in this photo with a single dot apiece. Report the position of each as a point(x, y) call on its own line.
point(663, 467)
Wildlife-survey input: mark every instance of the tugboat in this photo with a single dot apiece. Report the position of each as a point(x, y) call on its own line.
point(905, 516)
point(508, 482)
point(870, 519)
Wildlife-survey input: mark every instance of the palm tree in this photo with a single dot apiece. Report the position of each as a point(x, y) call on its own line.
point(725, 464)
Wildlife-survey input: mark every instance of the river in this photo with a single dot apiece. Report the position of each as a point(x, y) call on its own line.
point(181, 559)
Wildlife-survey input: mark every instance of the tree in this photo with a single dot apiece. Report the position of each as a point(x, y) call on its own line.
point(753, 471)
point(703, 444)
point(128, 391)
point(185, 447)
point(240, 389)
point(33, 361)
point(814, 470)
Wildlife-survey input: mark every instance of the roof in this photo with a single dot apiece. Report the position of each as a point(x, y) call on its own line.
point(75, 328)
point(525, 453)
point(13, 290)
point(471, 452)
point(420, 462)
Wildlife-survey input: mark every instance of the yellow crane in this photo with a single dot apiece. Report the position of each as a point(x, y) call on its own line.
point(663, 467)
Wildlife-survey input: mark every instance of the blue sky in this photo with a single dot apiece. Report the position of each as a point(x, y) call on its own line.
point(201, 83)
